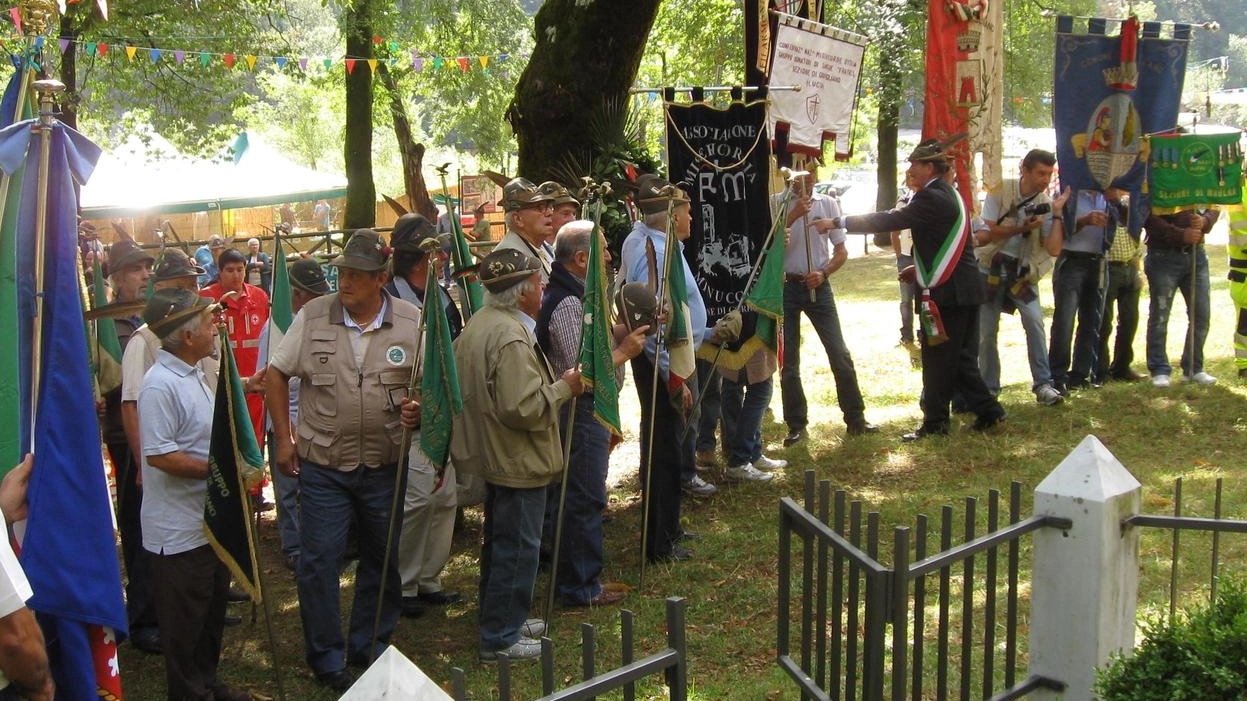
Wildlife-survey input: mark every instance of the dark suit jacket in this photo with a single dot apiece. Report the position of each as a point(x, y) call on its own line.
point(929, 216)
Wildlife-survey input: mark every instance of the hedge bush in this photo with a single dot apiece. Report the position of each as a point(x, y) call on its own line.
point(1202, 656)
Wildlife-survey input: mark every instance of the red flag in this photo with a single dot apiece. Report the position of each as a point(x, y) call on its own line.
point(950, 93)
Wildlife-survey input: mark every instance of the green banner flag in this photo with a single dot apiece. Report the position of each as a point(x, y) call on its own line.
point(680, 354)
point(235, 466)
point(281, 313)
point(105, 346)
point(440, 398)
point(1195, 170)
point(10, 348)
point(465, 271)
point(597, 366)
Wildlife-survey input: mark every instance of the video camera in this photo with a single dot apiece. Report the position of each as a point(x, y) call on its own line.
point(1037, 209)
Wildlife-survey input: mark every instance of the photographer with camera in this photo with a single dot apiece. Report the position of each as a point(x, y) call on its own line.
point(1078, 287)
point(1024, 233)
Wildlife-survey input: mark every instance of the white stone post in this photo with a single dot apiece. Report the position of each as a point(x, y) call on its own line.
point(1085, 580)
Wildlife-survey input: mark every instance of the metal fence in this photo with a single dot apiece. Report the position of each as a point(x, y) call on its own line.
point(953, 597)
point(671, 663)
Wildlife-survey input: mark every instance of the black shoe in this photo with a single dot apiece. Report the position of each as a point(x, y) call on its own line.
point(233, 621)
point(987, 421)
point(794, 437)
point(1127, 375)
point(413, 607)
point(860, 427)
point(677, 554)
point(689, 535)
point(439, 598)
point(924, 432)
point(147, 639)
point(1242, 373)
point(292, 562)
point(340, 680)
point(237, 596)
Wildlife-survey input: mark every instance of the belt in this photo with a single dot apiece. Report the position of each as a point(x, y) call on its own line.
point(794, 277)
point(1082, 255)
point(1121, 262)
point(1175, 249)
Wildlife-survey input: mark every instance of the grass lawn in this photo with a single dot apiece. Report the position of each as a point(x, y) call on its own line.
point(1197, 433)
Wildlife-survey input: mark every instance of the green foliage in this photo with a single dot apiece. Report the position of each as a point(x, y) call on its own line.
point(1200, 656)
point(194, 106)
point(616, 134)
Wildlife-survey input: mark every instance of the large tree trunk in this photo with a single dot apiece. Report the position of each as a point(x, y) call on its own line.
point(585, 54)
point(69, 76)
point(409, 149)
point(361, 194)
point(886, 134)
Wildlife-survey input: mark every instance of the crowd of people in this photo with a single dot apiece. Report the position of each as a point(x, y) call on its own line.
point(329, 396)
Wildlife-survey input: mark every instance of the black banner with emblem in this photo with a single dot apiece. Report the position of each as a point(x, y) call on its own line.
point(720, 157)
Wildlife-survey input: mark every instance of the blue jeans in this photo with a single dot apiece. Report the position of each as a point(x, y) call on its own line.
point(509, 554)
point(711, 383)
point(1121, 291)
point(1168, 271)
point(1031, 314)
point(1077, 291)
point(907, 300)
point(742, 418)
point(826, 322)
point(580, 555)
point(286, 489)
point(328, 500)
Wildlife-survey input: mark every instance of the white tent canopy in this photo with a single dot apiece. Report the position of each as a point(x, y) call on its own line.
point(149, 176)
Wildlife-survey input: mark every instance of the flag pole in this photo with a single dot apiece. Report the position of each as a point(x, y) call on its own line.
point(455, 254)
point(753, 277)
point(46, 89)
point(597, 193)
point(430, 246)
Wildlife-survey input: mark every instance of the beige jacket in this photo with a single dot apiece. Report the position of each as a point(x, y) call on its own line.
point(349, 416)
point(508, 431)
point(1034, 256)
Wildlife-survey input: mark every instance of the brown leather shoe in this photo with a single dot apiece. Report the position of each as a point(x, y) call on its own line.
point(608, 597)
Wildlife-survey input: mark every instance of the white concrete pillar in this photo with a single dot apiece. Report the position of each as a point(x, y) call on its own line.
point(1085, 581)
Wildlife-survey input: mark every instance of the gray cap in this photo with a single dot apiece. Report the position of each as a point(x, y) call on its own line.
point(653, 194)
point(307, 275)
point(365, 250)
point(172, 306)
point(173, 264)
point(505, 268)
point(521, 192)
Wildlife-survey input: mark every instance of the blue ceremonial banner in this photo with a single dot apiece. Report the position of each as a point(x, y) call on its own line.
point(69, 552)
point(1111, 92)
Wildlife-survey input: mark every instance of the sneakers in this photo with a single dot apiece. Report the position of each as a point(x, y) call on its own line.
point(698, 487)
point(1047, 395)
point(748, 473)
point(1160, 380)
point(765, 463)
point(533, 628)
point(706, 459)
point(523, 649)
point(1200, 378)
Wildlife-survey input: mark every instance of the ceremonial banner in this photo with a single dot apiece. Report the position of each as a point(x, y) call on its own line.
point(1110, 92)
point(69, 549)
point(12, 417)
point(826, 63)
point(720, 158)
point(235, 467)
point(1195, 170)
point(440, 398)
point(963, 45)
point(597, 366)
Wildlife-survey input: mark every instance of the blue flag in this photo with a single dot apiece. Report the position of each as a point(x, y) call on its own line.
point(73, 570)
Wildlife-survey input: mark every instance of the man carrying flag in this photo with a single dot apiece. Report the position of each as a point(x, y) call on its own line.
point(191, 582)
point(665, 414)
point(950, 285)
point(430, 503)
point(574, 314)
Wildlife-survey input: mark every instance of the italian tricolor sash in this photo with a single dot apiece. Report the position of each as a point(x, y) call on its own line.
point(939, 272)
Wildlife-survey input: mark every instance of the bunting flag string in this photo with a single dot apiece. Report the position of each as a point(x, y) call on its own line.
point(418, 61)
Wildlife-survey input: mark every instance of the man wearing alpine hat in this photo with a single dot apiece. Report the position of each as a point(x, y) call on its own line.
point(191, 584)
point(353, 353)
point(950, 289)
point(529, 213)
point(508, 434)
